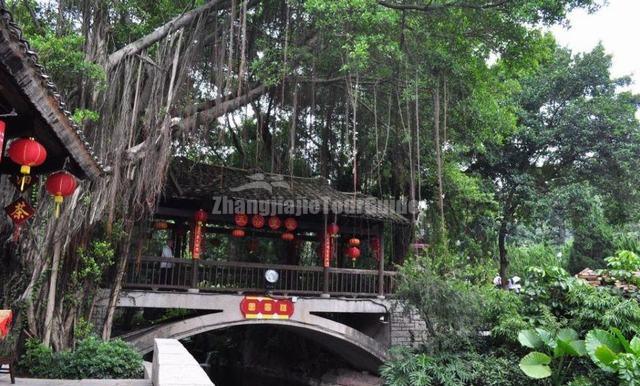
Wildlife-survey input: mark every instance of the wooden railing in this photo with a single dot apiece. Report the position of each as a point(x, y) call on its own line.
point(226, 276)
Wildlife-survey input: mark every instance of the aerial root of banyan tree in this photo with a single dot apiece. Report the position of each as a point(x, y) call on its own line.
point(146, 84)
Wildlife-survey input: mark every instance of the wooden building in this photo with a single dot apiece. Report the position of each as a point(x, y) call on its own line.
point(265, 202)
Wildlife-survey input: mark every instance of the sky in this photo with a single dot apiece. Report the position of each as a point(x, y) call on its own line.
point(617, 26)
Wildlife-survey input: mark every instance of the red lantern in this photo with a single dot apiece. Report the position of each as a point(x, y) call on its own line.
point(257, 221)
point(200, 216)
point(161, 225)
point(60, 184)
point(27, 152)
point(238, 233)
point(354, 242)
point(333, 229)
point(241, 219)
point(290, 224)
point(287, 236)
point(353, 253)
point(275, 223)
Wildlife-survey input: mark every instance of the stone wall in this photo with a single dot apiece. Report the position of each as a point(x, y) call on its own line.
point(407, 327)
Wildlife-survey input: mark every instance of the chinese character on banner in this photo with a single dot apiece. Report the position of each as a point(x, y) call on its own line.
point(28, 181)
point(258, 307)
point(19, 211)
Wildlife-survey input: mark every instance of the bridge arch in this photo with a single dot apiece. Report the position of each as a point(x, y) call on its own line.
point(360, 350)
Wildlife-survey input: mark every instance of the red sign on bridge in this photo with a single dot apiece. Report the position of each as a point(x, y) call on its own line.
point(257, 307)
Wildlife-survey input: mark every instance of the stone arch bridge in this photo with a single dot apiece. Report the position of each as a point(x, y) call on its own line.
point(360, 330)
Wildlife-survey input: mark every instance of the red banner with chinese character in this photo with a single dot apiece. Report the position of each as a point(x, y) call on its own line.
point(197, 242)
point(19, 211)
point(6, 316)
point(256, 307)
point(326, 250)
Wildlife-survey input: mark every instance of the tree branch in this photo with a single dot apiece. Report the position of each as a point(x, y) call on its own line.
point(173, 25)
point(436, 7)
point(211, 110)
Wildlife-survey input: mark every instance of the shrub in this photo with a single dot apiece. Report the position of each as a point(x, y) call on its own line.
point(92, 358)
point(460, 369)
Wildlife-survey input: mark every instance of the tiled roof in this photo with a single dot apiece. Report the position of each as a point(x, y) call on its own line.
point(190, 180)
point(22, 63)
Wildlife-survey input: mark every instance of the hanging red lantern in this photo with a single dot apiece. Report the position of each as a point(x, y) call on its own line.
point(200, 217)
point(241, 219)
point(238, 233)
point(287, 236)
point(61, 184)
point(160, 225)
point(353, 253)
point(27, 152)
point(354, 242)
point(333, 229)
point(290, 224)
point(275, 223)
point(257, 221)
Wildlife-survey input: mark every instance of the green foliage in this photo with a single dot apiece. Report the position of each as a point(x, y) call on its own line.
point(598, 307)
point(92, 358)
point(536, 255)
point(448, 306)
point(624, 261)
point(613, 353)
point(559, 350)
point(81, 116)
point(465, 369)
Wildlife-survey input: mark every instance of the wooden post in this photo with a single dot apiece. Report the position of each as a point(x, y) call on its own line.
point(381, 263)
point(194, 273)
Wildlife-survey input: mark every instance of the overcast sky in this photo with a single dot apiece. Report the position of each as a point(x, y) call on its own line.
point(617, 26)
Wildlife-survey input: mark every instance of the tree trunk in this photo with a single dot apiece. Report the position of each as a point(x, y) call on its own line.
point(51, 301)
point(502, 250)
point(438, 154)
point(115, 292)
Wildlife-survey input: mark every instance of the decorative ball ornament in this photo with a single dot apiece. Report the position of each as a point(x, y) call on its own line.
point(354, 242)
point(160, 225)
point(257, 221)
point(241, 219)
point(237, 233)
point(290, 224)
point(200, 216)
point(333, 229)
point(353, 253)
point(27, 152)
point(287, 236)
point(61, 184)
point(275, 223)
